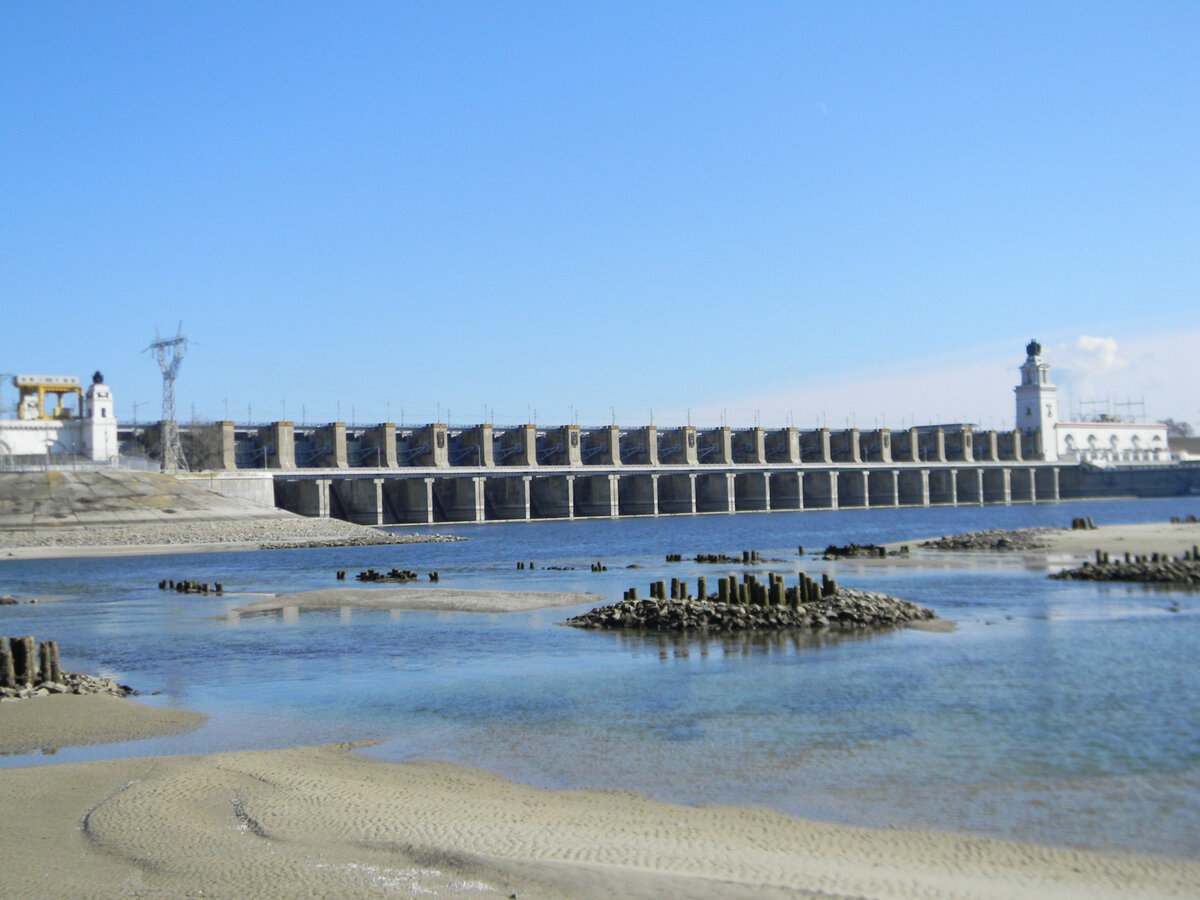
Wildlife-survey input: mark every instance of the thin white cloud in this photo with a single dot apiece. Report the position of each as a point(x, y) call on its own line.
point(1163, 369)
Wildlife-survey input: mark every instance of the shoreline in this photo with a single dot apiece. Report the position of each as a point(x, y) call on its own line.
point(208, 536)
point(331, 821)
point(47, 724)
point(1140, 538)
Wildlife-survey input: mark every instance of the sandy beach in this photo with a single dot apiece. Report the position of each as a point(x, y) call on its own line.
point(331, 822)
point(1066, 543)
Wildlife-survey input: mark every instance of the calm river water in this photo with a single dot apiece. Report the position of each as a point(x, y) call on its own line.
point(1057, 712)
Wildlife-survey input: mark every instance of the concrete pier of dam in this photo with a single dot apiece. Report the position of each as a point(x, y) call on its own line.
point(386, 474)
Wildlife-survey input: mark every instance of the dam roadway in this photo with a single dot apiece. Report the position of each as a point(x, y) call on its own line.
point(382, 474)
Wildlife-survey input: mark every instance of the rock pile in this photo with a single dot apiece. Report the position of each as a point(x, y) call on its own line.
point(854, 551)
point(394, 576)
point(844, 610)
point(1156, 568)
point(993, 539)
point(26, 672)
point(187, 586)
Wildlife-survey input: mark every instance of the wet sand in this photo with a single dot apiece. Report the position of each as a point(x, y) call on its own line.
point(414, 598)
point(327, 821)
point(71, 720)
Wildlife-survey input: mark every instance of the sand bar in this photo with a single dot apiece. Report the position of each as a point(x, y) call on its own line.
point(331, 822)
point(414, 598)
point(1142, 538)
point(74, 720)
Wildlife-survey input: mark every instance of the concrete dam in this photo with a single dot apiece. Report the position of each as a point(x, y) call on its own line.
point(382, 474)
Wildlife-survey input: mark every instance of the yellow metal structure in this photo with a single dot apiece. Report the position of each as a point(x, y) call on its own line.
point(33, 390)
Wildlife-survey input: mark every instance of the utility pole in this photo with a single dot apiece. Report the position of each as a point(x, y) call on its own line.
point(172, 452)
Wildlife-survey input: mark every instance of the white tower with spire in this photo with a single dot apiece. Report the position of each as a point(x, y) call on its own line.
point(1037, 403)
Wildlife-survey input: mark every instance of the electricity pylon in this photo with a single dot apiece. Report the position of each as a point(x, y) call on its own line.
point(172, 452)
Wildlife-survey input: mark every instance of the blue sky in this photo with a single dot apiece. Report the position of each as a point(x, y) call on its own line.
point(742, 212)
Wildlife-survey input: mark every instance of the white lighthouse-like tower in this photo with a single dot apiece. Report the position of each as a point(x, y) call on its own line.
point(1037, 403)
point(99, 422)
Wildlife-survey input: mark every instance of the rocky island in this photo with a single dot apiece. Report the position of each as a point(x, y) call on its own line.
point(845, 609)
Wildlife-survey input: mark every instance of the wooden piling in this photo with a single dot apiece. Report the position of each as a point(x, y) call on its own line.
point(8, 675)
point(24, 662)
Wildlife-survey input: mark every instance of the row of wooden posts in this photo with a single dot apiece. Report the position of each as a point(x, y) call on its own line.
point(750, 590)
point(24, 663)
point(1192, 555)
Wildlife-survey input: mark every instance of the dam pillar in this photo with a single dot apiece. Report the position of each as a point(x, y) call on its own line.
point(987, 448)
point(563, 447)
point(459, 499)
point(814, 446)
point(942, 490)
point(330, 441)
point(845, 446)
point(714, 492)
point(749, 446)
point(752, 492)
point(598, 496)
point(678, 447)
point(906, 446)
point(507, 496)
point(913, 487)
point(820, 489)
point(476, 447)
point(363, 500)
point(1024, 485)
point(516, 447)
point(677, 493)
point(933, 445)
point(851, 488)
point(307, 497)
point(883, 487)
point(783, 446)
point(379, 446)
point(997, 486)
point(1010, 446)
point(786, 490)
point(960, 445)
point(876, 446)
point(279, 445)
point(638, 495)
point(1047, 483)
point(552, 497)
point(970, 485)
point(436, 452)
point(408, 501)
point(715, 447)
point(640, 446)
point(603, 446)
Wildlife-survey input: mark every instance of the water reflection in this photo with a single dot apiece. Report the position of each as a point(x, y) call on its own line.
point(787, 641)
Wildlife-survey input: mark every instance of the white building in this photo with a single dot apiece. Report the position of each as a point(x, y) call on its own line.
point(1105, 440)
point(81, 424)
